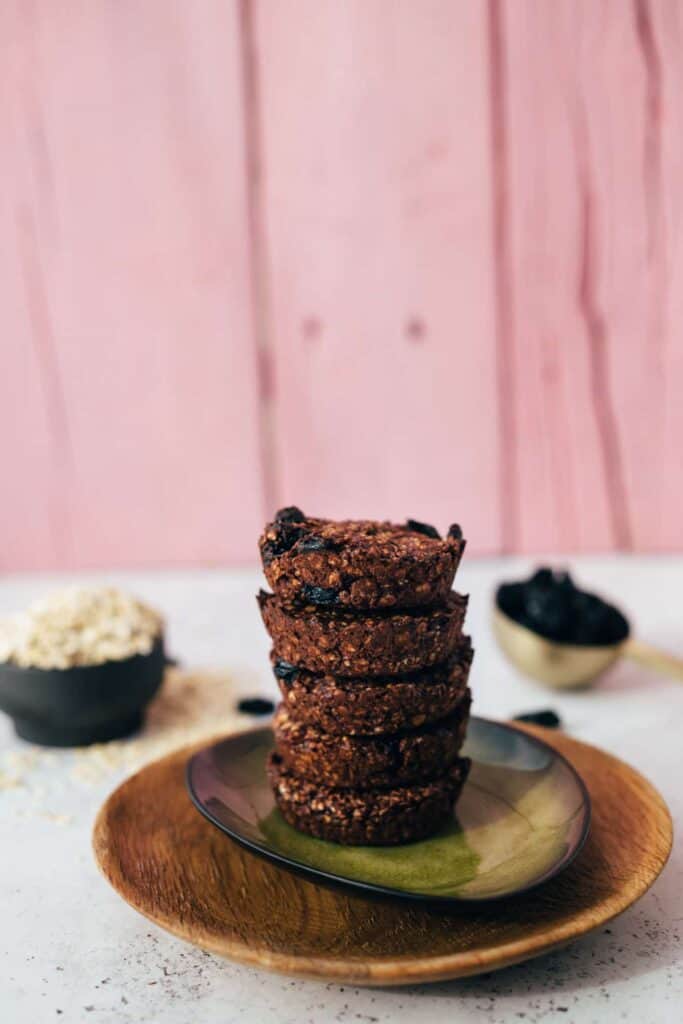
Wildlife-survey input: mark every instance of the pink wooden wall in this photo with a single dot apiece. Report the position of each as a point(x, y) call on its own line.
point(369, 257)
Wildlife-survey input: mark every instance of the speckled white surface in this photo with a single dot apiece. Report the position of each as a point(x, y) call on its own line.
point(71, 950)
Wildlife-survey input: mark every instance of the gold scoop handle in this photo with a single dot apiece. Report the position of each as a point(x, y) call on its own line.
point(652, 657)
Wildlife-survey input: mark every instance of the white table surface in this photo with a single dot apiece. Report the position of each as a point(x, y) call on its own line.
point(72, 950)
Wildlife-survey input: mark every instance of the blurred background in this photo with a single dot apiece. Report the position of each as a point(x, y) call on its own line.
point(371, 258)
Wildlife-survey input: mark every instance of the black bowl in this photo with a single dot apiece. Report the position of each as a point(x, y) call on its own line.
point(76, 706)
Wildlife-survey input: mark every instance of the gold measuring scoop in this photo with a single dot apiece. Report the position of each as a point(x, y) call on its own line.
point(570, 666)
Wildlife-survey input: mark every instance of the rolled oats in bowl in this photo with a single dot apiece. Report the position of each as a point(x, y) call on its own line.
point(79, 626)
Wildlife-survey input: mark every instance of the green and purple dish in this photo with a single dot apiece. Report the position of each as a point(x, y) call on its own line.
point(523, 816)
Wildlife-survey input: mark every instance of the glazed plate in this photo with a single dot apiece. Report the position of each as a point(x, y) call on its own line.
point(523, 816)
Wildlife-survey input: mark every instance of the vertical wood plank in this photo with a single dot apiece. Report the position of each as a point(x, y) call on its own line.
point(593, 112)
point(377, 182)
point(462, 222)
point(563, 493)
point(659, 27)
point(128, 391)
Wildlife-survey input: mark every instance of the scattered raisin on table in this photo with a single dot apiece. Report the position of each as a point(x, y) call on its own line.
point(256, 706)
point(547, 717)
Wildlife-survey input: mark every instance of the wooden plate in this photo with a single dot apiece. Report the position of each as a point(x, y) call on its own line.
point(178, 870)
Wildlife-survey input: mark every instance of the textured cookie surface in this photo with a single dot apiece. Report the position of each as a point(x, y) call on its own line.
point(360, 818)
point(374, 644)
point(374, 705)
point(367, 762)
point(358, 563)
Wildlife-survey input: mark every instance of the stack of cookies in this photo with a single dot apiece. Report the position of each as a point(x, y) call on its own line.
point(372, 664)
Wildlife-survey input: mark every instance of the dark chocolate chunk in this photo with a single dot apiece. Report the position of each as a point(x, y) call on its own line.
point(319, 595)
point(455, 531)
point(286, 534)
point(424, 528)
point(313, 542)
point(285, 670)
point(256, 706)
point(291, 514)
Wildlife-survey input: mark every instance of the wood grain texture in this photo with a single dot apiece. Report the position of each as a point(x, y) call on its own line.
point(420, 261)
point(661, 37)
point(128, 391)
point(380, 239)
point(592, 118)
point(170, 864)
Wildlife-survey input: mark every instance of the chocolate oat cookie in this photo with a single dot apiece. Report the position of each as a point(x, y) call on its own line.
point(358, 564)
point(385, 818)
point(376, 705)
point(379, 643)
point(370, 762)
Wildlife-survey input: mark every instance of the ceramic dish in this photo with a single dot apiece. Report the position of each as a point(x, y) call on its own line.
point(87, 704)
point(523, 816)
